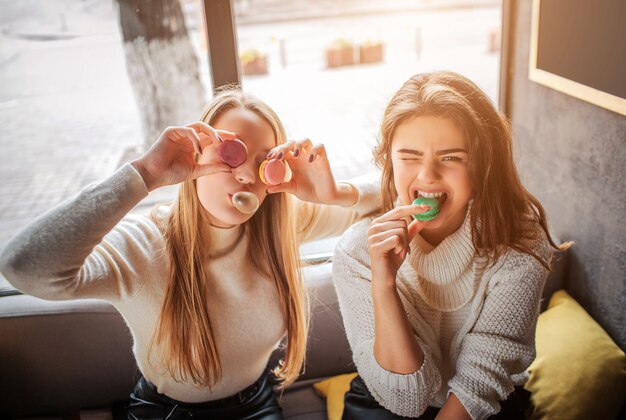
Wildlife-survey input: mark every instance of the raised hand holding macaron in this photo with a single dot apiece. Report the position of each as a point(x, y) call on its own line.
point(311, 176)
point(389, 236)
point(171, 159)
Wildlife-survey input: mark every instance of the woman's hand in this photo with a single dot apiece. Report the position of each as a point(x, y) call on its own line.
point(389, 235)
point(171, 160)
point(312, 178)
point(388, 240)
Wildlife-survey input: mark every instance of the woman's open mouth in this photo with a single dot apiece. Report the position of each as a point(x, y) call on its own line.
point(440, 196)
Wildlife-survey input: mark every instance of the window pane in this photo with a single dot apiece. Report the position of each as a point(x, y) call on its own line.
point(77, 94)
point(343, 106)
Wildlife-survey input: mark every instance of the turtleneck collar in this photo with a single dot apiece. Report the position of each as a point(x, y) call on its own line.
point(224, 240)
point(445, 277)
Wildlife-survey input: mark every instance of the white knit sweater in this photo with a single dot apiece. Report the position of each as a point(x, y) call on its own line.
point(474, 322)
point(88, 247)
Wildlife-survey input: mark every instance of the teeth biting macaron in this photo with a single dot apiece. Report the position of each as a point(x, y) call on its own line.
point(432, 199)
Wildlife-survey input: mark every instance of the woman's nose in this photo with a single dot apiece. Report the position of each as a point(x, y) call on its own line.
point(245, 173)
point(428, 172)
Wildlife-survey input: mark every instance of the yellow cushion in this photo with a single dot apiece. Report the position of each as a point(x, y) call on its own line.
point(579, 372)
point(334, 389)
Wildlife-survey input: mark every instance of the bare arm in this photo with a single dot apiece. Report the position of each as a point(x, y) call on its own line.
point(453, 410)
point(395, 347)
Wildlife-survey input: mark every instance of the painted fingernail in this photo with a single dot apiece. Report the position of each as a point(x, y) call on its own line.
point(296, 153)
point(270, 154)
point(280, 155)
point(311, 157)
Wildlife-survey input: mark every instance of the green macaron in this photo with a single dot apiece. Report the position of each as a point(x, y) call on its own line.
point(430, 214)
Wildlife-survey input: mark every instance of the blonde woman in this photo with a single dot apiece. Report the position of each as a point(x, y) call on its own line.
point(440, 314)
point(208, 292)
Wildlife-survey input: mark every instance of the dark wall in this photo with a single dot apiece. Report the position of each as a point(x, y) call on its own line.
point(572, 156)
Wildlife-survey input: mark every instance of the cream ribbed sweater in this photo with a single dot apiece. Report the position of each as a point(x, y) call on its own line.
point(88, 247)
point(475, 323)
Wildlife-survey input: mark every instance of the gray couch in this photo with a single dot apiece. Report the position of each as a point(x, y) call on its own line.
point(59, 359)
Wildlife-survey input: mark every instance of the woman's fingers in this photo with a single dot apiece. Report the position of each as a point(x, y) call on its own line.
point(381, 230)
point(385, 226)
point(391, 243)
point(204, 140)
point(317, 151)
point(380, 237)
point(227, 135)
point(212, 134)
point(298, 149)
point(414, 227)
point(401, 212)
point(398, 245)
point(189, 134)
point(302, 147)
point(288, 187)
point(291, 149)
point(281, 151)
point(209, 169)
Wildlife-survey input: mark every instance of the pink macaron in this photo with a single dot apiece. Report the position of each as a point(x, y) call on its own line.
point(274, 172)
point(232, 152)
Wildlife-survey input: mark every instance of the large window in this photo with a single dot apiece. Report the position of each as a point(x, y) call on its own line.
point(78, 96)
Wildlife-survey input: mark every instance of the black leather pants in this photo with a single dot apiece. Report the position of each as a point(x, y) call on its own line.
point(256, 402)
point(360, 404)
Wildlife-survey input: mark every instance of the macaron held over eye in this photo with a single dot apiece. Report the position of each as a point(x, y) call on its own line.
point(274, 172)
point(232, 152)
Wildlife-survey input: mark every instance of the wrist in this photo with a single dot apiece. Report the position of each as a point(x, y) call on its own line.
point(145, 175)
point(346, 194)
point(383, 283)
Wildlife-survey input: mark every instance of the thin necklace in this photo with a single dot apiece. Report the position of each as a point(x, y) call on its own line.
point(219, 253)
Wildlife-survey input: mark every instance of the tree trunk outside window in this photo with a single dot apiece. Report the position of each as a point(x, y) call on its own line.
point(162, 65)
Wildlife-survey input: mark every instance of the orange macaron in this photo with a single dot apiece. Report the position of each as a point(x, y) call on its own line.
point(274, 172)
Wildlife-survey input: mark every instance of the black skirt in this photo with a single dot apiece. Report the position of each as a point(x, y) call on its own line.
point(256, 402)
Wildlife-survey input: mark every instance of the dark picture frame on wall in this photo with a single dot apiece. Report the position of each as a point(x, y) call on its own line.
point(578, 47)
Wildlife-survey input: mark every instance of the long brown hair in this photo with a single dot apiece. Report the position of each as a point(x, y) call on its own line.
point(184, 334)
point(502, 207)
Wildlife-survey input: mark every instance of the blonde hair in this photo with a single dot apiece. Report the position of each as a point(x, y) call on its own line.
point(184, 330)
point(502, 207)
